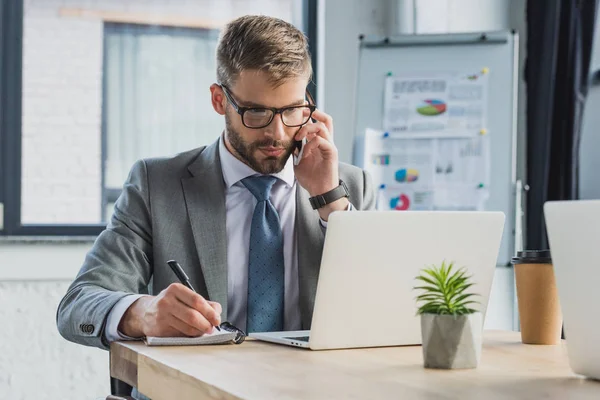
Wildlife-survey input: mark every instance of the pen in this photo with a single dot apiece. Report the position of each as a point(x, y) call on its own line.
point(183, 278)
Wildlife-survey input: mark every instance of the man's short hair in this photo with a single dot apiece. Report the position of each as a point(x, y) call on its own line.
point(257, 42)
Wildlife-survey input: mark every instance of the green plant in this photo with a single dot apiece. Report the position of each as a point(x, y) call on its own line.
point(444, 291)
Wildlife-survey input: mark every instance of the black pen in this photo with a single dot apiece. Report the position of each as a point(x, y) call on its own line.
point(183, 278)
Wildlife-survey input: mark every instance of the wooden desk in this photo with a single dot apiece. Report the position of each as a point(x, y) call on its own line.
point(257, 370)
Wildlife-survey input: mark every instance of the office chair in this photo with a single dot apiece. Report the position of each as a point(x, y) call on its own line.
point(119, 390)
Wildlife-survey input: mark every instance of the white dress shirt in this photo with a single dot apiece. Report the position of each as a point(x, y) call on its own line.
point(239, 204)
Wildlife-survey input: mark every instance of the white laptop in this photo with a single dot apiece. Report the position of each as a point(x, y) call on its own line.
point(370, 260)
point(574, 236)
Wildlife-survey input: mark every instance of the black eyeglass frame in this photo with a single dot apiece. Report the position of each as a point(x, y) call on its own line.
point(242, 110)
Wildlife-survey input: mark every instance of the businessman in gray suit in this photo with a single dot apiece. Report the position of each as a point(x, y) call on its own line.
point(246, 224)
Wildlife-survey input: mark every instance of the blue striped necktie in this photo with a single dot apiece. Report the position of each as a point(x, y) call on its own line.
point(265, 261)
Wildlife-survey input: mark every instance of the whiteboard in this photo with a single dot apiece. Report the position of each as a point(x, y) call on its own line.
point(407, 54)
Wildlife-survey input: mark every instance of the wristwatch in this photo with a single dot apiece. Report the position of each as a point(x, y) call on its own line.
point(329, 197)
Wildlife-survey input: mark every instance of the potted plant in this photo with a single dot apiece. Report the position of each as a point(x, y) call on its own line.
point(451, 329)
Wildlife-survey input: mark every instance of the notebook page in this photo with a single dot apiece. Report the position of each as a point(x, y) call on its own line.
point(211, 338)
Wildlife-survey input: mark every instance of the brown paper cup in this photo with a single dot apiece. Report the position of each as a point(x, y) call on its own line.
point(537, 296)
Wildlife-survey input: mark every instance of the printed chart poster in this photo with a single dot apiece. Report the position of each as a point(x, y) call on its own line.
point(404, 197)
point(428, 174)
point(407, 161)
point(462, 161)
point(436, 105)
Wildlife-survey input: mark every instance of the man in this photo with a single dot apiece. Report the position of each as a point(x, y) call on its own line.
point(236, 215)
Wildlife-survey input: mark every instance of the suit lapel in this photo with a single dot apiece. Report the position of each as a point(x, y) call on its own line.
point(204, 194)
point(310, 237)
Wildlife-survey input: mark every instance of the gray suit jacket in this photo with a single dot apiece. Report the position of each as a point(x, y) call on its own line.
point(175, 209)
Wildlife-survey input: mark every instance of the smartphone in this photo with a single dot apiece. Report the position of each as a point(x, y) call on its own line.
point(298, 145)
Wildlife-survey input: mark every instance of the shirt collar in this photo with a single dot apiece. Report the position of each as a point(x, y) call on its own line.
point(234, 170)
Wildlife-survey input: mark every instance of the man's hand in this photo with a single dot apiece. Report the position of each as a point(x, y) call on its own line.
point(318, 172)
point(176, 311)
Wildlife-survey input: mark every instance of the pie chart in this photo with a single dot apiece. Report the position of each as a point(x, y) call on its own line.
point(431, 107)
point(400, 203)
point(407, 175)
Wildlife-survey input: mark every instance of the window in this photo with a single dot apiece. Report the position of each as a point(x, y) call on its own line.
point(96, 86)
point(156, 101)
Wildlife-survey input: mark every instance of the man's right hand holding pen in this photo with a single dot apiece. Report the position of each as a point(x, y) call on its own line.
point(176, 311)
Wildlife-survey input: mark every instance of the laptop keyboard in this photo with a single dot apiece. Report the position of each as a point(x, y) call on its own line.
point(299, 338)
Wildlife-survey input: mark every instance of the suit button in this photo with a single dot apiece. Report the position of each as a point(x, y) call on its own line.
point(90, 329)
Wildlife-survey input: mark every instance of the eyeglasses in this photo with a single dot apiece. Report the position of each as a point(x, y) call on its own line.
point(259, 117)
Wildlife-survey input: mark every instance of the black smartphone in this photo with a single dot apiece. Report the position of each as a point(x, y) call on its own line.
point(299, 144)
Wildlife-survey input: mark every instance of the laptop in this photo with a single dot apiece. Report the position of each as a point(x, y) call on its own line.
point(365, 295)
point(574, 235)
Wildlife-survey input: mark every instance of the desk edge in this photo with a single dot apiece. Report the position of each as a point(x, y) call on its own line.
point(124, 364)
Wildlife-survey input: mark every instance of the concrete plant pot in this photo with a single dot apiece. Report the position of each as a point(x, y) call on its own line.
point(451, 342)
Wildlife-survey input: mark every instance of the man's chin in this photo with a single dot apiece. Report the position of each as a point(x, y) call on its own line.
point(271, 165)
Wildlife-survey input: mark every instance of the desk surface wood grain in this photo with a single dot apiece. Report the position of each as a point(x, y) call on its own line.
point(258, 370)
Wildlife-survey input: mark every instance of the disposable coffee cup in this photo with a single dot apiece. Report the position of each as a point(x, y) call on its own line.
point(537, 296)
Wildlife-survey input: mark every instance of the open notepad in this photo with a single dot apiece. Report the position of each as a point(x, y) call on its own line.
point(211, 338)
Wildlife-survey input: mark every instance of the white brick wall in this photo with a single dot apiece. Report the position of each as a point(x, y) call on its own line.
point(35, 361)
point(62, 95)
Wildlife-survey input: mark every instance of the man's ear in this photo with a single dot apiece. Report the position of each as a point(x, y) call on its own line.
point(218, 99)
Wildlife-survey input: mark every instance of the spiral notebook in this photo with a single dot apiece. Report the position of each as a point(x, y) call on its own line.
point(227, 335)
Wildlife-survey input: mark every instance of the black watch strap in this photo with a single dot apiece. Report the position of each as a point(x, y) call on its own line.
point(333, 195)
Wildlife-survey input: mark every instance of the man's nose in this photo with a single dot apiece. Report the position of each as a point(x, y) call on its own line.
point(276, 129)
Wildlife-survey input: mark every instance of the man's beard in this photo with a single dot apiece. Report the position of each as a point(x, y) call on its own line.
point(270, 165)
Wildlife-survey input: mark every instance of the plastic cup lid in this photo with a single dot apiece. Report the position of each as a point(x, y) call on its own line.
point(533, 257)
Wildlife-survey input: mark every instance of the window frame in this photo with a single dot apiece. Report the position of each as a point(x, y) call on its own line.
point(3, 167)
point(11, 93)
point(310, 27)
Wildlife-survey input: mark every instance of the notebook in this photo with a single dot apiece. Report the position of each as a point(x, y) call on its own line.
point(227, 334)
point(210, 338)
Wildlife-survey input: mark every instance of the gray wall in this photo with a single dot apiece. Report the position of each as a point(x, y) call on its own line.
point(345, 20)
